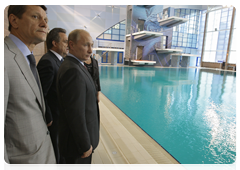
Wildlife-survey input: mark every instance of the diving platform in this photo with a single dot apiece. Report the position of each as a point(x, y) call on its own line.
point(185, 55)
point(144, 35)
point(172, 21)
point(168, 50)
point(142, 62)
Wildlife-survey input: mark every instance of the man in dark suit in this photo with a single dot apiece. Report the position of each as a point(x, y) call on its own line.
point(57, 45)
point(79, 114)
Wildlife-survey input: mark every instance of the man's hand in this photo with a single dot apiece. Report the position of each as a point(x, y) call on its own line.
point(87, 153)
point(49, 124)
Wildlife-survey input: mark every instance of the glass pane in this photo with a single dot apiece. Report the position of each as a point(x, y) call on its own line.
point(174, 43)
point(107, 36)
point(115, 31)
point(123, 22)
point(116, 26)
point(122, 32)
point(214, 41)
point(212, 56)
point(233, 45)
point(208, 40)
point(115, 37)
point(232, 58)
point(122, 38)
point(188, 51)
point(205, 56)
point(179, 44)
point(122, 26)
point(101, 36)
point(108, 31)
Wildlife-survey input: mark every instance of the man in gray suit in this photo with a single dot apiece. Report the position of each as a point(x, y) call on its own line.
point(26, 137)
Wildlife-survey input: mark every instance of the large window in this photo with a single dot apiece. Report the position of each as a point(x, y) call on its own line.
point(201, 32)
point(115, 33)
point(185, 36)
point(232, 58)
point(217, 35)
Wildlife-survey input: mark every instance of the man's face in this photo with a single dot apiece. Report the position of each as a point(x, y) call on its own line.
point(32, 27)
point(83, 48)
point(62, 45)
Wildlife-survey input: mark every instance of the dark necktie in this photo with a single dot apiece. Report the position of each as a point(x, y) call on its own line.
point(84, 66)
point(33, 67)
point(61, 60)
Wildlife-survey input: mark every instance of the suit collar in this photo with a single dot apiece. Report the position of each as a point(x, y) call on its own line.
point(58, 56)
point(58, 62)
point(71, 55)
point(21, 46)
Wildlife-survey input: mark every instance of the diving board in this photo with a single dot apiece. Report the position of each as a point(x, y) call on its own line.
point(143, 62)
point(172, 21)
point(144, 35)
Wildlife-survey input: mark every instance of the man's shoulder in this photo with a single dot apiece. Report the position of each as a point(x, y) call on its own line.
point(69, 64)
point(10, 49)
point(8, 43)
point(48, 57)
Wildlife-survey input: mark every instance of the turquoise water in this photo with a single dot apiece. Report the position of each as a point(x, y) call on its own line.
point(191, 113)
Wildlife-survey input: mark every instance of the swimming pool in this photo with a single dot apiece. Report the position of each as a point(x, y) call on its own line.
point(191, 112)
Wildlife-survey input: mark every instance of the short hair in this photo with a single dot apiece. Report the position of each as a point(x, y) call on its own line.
point(18, 11)
point(75, 35)
point(53, 35)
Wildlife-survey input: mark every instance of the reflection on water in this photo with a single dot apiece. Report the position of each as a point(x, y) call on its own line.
point(189, 112)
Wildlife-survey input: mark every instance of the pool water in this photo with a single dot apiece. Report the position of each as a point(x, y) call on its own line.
point(191, 112)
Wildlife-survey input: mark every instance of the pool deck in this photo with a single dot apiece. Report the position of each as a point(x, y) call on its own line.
point(123, 142)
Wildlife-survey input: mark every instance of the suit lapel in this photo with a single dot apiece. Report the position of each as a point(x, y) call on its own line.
point(88, 75)
point(58, 62)
point(84, 70)
point(26, 71)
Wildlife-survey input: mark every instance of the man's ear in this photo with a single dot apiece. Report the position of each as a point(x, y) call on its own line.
point(70, 44)
point(54, 43)
point(14, 20)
